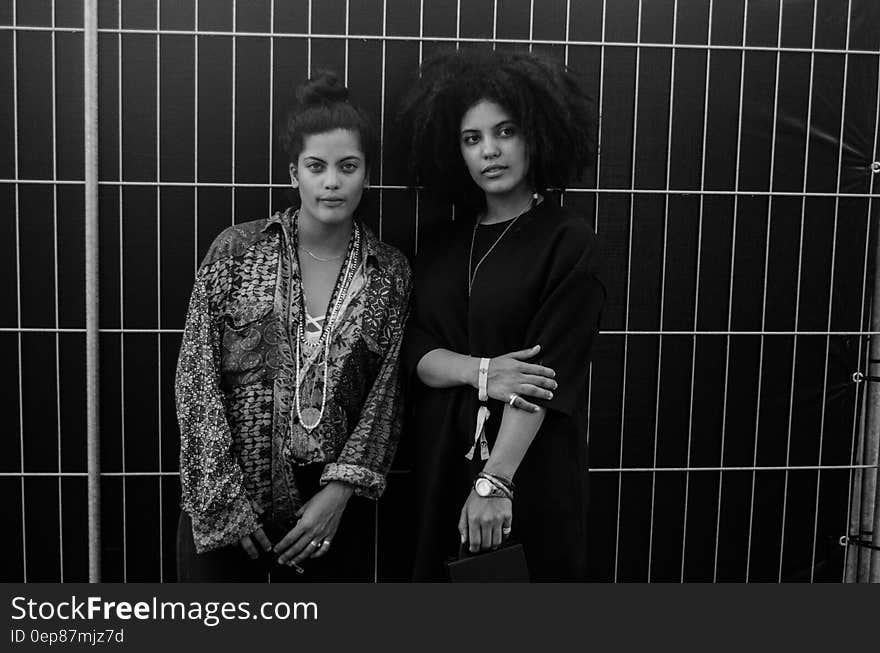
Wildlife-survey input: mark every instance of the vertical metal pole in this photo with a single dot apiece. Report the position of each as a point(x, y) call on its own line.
point(234, 64)
point(159, 278)
point(21, 415)
point(870, 487)
point(90, 21)
point(309, 45)
point(381, 208)
point(56, 294)
point(120, 197)
point(853, 554)
point(272, 95)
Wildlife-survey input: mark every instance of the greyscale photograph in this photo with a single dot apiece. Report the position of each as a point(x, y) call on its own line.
point(392, 291)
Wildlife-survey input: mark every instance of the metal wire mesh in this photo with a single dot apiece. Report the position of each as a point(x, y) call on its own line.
point(733, 191)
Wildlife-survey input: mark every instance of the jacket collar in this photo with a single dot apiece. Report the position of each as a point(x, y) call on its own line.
point(372, 245)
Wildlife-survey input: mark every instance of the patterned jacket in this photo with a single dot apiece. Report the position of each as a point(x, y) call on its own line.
point(236, 376)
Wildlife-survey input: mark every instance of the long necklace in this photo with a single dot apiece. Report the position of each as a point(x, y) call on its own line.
point(310, 417)
point(472, 271)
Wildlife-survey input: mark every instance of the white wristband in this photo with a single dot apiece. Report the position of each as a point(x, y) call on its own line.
point(483, 380)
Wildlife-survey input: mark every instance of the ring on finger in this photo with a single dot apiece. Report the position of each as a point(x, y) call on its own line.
point(512, 400)
point(316, 544)
point(326, 542)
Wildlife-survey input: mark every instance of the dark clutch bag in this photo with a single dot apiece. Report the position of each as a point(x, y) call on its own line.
point(504, 565)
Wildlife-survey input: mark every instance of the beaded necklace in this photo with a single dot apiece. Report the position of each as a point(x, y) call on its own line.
point(310, 417)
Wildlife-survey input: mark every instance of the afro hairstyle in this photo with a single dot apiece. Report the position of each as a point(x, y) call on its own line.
point(546, 100)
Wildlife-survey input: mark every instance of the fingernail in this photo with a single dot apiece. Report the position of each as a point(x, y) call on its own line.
point(555, 385)
point(549, 395)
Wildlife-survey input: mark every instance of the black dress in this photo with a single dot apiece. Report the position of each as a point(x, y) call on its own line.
point(539, 285)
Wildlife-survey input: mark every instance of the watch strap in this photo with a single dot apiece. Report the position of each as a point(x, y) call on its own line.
point(498, 488)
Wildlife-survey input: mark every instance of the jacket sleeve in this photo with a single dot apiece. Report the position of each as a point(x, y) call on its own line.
point(366, 457)
point(418, 341)
point(213, 491)
point(423, 334)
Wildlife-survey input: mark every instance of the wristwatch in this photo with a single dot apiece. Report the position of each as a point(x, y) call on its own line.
point(486, 488)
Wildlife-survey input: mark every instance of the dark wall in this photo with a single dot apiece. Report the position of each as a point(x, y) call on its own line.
point(733, 203)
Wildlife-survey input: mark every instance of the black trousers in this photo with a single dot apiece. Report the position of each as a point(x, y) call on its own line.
point(350, 558)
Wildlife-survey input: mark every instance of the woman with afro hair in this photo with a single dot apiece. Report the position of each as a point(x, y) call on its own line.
point(506, 307)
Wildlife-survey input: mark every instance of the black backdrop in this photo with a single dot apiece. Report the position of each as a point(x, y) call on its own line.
point(721, 434)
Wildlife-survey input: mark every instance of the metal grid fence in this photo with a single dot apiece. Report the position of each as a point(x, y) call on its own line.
point(734, 192)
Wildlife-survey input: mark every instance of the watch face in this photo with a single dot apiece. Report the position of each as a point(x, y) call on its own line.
point(483, 487)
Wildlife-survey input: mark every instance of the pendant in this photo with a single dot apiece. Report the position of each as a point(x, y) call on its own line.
point(309, 418)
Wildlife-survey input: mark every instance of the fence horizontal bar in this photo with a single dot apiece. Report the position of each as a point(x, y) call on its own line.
point(609, 191)
point(614, 470)
point(441, 39)
point(601, 332)
point(83, 474)
point(748, 468)
point(624, 332)
point(39, 28)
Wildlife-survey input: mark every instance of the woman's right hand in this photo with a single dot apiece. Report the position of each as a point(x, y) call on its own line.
point(253, 542)
point(509, 374)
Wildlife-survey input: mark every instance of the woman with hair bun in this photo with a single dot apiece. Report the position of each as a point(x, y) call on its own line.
point(288, 393)
point(502, 437)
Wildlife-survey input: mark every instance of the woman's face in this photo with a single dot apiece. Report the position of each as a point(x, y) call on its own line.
point(330, 174)
point(494, 149)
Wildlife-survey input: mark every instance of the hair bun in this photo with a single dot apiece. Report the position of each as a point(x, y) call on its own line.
point(324, 87)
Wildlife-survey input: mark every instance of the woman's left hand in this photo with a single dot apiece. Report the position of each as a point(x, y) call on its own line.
point(485, 521)
point(318, 520)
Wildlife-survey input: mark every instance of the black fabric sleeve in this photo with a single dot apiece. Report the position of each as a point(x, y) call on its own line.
point(566, 320)
point(418, 341)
